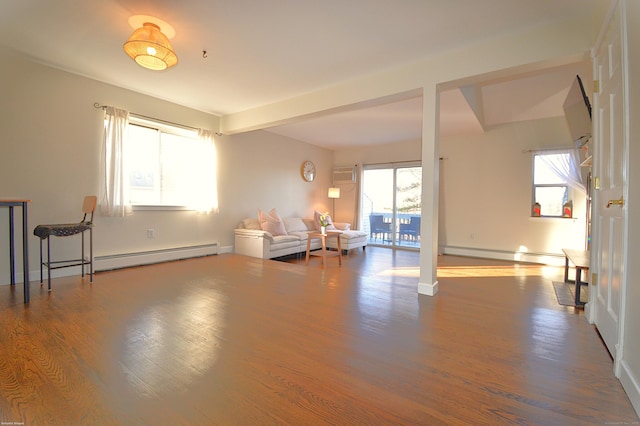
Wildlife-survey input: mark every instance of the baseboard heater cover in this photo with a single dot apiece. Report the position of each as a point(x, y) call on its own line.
point(550, 259)
point(124, 260)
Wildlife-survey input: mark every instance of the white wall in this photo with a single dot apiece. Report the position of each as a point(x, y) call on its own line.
point(375, 154)
point(485, 203)
point(346, 206)
point(50, 153)
point(485, 197)
point(262, 170)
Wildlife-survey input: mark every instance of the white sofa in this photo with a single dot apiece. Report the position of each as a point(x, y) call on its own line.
point(251, 240)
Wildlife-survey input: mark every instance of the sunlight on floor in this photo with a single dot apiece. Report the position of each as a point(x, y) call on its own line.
point(412, 272)
point(515, 270)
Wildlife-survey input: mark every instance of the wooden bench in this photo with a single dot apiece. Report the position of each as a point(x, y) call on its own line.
point(580, 260)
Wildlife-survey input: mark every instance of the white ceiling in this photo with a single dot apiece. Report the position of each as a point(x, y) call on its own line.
point(260, 52)
point(518, 98)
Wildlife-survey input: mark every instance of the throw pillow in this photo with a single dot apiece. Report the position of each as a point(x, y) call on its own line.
point(251, 223)
point(316, 218)
point(282, 230)
point(271, 222)
point(295, 224)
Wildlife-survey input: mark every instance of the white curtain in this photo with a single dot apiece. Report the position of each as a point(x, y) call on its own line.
point(205, 197)
point(357, 210)
point(566, 165)
point(114, 197)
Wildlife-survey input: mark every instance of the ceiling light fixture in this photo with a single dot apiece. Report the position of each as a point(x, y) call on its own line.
point(150, 48)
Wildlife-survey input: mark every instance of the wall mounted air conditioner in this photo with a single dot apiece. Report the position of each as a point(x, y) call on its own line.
point(344, 175)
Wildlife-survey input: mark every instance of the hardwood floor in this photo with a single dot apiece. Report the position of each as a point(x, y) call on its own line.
point(232, 340)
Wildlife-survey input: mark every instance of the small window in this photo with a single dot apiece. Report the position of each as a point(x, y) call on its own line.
point(550, 190)
point(166, 164)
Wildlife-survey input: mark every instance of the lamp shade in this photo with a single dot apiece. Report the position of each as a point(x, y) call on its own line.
point(334, 192)
point(150, 48)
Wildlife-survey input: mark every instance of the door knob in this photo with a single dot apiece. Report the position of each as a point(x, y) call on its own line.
point(619, 202)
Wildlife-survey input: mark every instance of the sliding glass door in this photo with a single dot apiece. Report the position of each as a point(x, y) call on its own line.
point(391, 204)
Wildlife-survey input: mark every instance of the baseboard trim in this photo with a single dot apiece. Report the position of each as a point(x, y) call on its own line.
point(125, 260)
point(631, 385)
point(551, 259)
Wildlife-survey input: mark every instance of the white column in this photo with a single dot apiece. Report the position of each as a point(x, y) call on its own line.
point(430, 191)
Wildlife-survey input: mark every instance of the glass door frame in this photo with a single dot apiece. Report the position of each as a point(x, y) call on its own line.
point(366, 208)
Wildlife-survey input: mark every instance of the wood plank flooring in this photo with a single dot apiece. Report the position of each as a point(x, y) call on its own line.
point(232, 340)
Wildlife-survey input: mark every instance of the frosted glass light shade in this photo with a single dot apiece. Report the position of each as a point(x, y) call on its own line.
point(150, 48)
point(334, 193)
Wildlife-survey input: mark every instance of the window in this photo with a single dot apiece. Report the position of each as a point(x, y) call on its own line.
point(167, 165)
point(550, 188)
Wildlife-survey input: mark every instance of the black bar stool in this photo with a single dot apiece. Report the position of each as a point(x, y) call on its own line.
point(66, 230)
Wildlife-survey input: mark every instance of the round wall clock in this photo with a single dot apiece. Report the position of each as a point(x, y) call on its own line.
point(308, 171)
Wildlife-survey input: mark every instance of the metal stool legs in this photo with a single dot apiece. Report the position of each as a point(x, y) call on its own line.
point(81, 262)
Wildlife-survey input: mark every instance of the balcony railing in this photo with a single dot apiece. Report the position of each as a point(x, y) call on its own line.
point(406, 232)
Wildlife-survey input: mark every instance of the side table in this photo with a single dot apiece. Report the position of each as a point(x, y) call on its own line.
point(11, 203)
point(323, 251)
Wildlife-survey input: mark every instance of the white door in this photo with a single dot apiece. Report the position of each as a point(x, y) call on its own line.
point(608, 251)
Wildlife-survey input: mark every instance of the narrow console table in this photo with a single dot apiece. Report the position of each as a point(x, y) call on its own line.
point(323, 251)
point(11, 203)
point(580, 260)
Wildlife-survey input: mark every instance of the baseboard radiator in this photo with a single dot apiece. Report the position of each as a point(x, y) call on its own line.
point(550, 259)
point(125, 260)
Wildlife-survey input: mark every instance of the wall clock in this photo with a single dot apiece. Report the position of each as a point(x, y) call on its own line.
point(308, 171)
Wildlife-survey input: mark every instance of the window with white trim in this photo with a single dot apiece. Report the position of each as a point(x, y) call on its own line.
point(168, 166)
point(550, 188)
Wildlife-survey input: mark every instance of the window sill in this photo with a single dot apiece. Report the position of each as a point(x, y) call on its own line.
point(551, 218)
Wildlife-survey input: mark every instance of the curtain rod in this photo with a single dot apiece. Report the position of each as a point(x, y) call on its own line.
point(393, 163)
point(564, 148)
point(103, 107)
